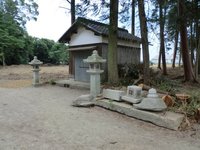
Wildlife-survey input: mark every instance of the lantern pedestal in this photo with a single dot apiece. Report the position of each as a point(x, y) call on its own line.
point(35, 63)
point(94, 62)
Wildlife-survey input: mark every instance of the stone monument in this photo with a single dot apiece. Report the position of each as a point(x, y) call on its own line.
point(94, 62)
point(152, 102)
point(35, 63)
point(133, 94)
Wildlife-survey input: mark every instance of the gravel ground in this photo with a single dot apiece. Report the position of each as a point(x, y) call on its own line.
point(43, 119)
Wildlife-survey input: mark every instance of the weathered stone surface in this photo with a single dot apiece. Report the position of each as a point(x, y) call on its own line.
point(84, 101)
point(131, 99)
point(152, 93)
point(113, 94)
point(94, 62)
point(133, 94)
point(35, 63)
point(152, 104)
point(134, 91)
point(166, 119)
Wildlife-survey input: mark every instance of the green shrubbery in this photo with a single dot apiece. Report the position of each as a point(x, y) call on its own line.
point(17, 47)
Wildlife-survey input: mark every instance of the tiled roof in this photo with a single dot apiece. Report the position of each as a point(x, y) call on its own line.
point(98, 28)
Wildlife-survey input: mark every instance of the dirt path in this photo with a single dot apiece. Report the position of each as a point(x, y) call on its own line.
point(43, 119)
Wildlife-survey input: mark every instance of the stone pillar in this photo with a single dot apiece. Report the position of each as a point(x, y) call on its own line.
point(95, 83)
point(35, 77)
point(35, 63)
point(94, 62)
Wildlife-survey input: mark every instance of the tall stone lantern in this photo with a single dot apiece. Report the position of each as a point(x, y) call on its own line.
point(35, 63)
point(94, 62)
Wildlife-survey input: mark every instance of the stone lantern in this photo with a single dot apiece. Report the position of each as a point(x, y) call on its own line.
point(35, 63)
point(94, 62)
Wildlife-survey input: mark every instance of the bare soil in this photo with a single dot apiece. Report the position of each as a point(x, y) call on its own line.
point(16, 76)
point(42, 118)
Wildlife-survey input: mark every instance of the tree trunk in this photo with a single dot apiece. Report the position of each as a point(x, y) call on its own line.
point(112, 45)
point(144, 38)
point(191, 44)
point(175, 49)
point(71, 72)
point(162, 40)
point(3, 60)
point(197, 60)
point(197, 29)
point(188, 72)
point(159, 60)
point(133, 18)
point(180, 57)
point(73, 15)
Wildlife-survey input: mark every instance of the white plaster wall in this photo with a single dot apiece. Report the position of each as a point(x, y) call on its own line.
point(83, 37)
point(123, 43)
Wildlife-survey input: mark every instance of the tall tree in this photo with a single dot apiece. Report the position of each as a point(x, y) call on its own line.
point(144, 36)
point(133, 18)
point(188, 71)
point(112, 46)
point(73, 14)
point(162, 38)
point(20, 10)
point(197, 33)
point(13, 16)
point(72, 9)
point(172, 31)
point(175, 49)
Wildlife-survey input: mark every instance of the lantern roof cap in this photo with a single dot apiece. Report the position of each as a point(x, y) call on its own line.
point(35, 61)
point(94, 58)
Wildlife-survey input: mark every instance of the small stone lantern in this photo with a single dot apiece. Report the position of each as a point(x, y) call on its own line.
point(35, 63)
point(94, 62)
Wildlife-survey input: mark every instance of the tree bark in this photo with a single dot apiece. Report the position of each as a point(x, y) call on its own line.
point(191, 44)
point(133, 18)
point(73, 15)
point(180, 57)
point(162, 40)
point(144, 38)
point(3, 60)
point(197, 60)
point(197, 29)
point(112, 45)
point(175, 49)
point(188, 72)
point(159, 60)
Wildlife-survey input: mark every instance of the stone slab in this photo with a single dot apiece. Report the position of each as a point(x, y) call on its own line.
point(166, 119)
point(113, 94)
point(131, 99)
point(84, 101)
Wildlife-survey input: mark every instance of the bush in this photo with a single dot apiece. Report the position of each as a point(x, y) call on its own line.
point(128, 73)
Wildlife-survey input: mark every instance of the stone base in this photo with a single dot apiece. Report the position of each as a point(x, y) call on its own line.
point(36, 84)
point(113, 94)
point(166, 119)
point(84, 101)
point(131, 99)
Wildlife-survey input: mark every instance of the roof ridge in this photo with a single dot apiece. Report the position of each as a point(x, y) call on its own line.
point(98, 28)
point(82, 19)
